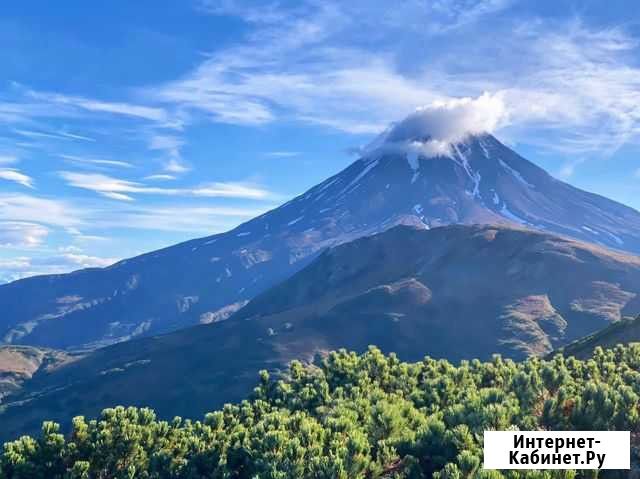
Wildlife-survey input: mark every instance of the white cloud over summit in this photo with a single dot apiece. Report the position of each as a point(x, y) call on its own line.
point(431, 129)
point(451, 120)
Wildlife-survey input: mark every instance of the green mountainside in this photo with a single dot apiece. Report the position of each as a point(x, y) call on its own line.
point(621, 332)
point(367, 416)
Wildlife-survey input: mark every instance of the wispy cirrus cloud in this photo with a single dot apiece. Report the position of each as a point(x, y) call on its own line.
point(453, 15)
point(56, 136)
point(95, 162)
point(21, 234)
point(161, 177)
point(118, 108)
point(315, 68)
point(183, 218)
point(96, 217)
point(35, 209)
point(282, 154)
point(30, 108)
point(10, 174)
point(8, 159)
point(174, 165)
point(297, 65)
point(260, 12)
point(120, 189)
point(308, 63)
point(568, 169)
point(21, 111)
point(586, 83)
point(25, 266)
point(170, 145)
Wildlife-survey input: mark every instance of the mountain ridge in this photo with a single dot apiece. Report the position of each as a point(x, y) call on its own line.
point(207, 279)
point(455, 292)
point(626, 331)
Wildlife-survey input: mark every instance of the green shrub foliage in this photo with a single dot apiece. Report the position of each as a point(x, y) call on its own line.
point(356, 416)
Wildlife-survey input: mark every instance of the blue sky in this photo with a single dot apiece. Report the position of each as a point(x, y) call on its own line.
point(128, 126)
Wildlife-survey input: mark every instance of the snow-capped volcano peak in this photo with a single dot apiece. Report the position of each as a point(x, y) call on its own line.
point(407, 175)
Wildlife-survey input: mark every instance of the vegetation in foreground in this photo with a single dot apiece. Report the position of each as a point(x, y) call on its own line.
point(356, 416)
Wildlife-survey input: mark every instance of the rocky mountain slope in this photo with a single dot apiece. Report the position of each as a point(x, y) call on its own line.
point(456, 292)
point(398, 180)
point(19, 364)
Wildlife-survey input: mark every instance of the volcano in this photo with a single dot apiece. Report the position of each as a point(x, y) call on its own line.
point(399, 179)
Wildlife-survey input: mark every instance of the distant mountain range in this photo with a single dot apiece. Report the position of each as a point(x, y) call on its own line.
point(479, 180)
point(456, 292)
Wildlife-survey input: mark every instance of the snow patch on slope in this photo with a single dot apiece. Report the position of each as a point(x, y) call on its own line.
point(476, 184)
point(327, 184)
point(504, 211)
point(484, 148)
point(516, 174)
point(615, 238)
point(365, 171)
point(293, 222)
point(414, 163)
point(463, 161)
